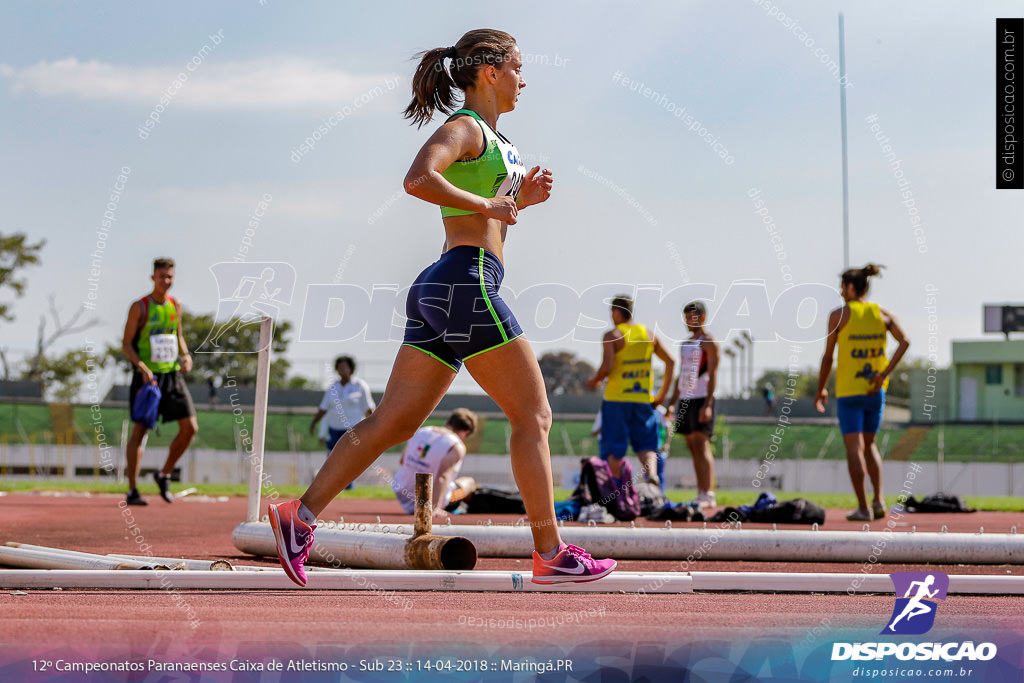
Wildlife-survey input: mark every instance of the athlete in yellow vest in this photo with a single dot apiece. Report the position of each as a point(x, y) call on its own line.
point(155, 346)
point(628, 415)
point(860, 330)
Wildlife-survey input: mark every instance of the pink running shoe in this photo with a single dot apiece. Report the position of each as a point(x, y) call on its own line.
point(570, 564)
point(294, 539)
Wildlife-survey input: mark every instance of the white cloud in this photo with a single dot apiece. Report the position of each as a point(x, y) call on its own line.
point(262, 84)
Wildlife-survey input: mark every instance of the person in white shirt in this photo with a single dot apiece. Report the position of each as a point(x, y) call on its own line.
point(695, 393)
point(345, 403)
point(439, 451)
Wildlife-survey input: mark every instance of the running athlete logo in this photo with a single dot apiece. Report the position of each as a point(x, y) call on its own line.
point(914, 613)
point(246, 292)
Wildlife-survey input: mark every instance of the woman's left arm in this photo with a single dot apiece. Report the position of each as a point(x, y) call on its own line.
point(899, 335)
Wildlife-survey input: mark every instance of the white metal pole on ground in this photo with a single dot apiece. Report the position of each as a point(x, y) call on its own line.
point(191, 565)
point(259, 422)
point(370, 550)
point(51, 559)
point(712, 543)
point(494, 581)
point(393, 580)
point(791, 582)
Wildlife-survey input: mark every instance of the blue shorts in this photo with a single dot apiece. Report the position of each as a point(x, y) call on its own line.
point(624, 424)
point(454, 310)
point(861, 413)
point(333, 435)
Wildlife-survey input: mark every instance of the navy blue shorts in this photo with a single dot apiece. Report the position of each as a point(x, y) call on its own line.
point(861, 413)
point(625, 424)
point(454, 310)
point(333, 436)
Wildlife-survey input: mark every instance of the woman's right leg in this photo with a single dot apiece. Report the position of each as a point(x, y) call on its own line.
point(417, 384)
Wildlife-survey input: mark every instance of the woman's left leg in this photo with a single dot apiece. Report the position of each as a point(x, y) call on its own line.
point(511, 376)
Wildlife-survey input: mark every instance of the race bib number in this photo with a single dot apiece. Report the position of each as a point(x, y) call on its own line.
point(163, 348)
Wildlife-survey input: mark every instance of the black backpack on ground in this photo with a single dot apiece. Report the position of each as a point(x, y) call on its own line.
point(796, 511)
point(495, 501)
point(939, 502)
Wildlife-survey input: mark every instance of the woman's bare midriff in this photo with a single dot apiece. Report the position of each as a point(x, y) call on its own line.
point(475, 230)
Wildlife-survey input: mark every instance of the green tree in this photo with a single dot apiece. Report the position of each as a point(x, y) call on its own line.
point(15, 254)
point(36, 364)
point(63, 376)
point(229, 349)
point(300, 382)
point(564, 373)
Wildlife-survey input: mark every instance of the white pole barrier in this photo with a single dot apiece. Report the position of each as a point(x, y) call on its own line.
point(726, 543)
point(368, 550)
point(493, 581)
point(41, 559)
point(173, 562)
point(391, 580)
point(771, 582)
point(259, 422)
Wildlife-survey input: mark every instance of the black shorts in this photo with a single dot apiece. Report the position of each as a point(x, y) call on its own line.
point(688, 417)
point(175, 401)
point(454, 310)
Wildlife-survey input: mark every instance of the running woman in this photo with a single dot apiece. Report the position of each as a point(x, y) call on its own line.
point(859, 329)
point(474, 174)
point(154, 344)
point(695, 393)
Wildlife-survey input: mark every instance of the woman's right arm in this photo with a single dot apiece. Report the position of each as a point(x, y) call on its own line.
point(821, 395)
point(452, 141)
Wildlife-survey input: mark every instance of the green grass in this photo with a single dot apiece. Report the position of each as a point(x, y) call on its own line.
point(725, 498)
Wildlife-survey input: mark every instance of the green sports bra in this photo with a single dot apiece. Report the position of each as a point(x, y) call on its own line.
point(497, 172)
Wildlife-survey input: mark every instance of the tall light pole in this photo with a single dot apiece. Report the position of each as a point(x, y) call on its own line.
point(750, 360)
point(842, 119)
point(738, 343)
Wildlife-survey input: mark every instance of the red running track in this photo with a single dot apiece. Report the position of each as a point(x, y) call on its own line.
point(186, 624)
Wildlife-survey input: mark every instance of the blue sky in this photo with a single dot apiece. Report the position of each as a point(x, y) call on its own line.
point(77, 81)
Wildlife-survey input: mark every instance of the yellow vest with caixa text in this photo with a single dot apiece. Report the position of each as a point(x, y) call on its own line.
point(630, 377)
point(861, 350)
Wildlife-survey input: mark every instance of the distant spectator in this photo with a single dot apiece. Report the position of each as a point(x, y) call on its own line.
point(345, 404)
point(211, 390)
point(154, 343)
point(768, 392)
point(695, 391)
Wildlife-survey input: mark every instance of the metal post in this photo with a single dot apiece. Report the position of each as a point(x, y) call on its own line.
point(739, 345)
point(842, 116)
point(424, 504)
point(259, 423)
